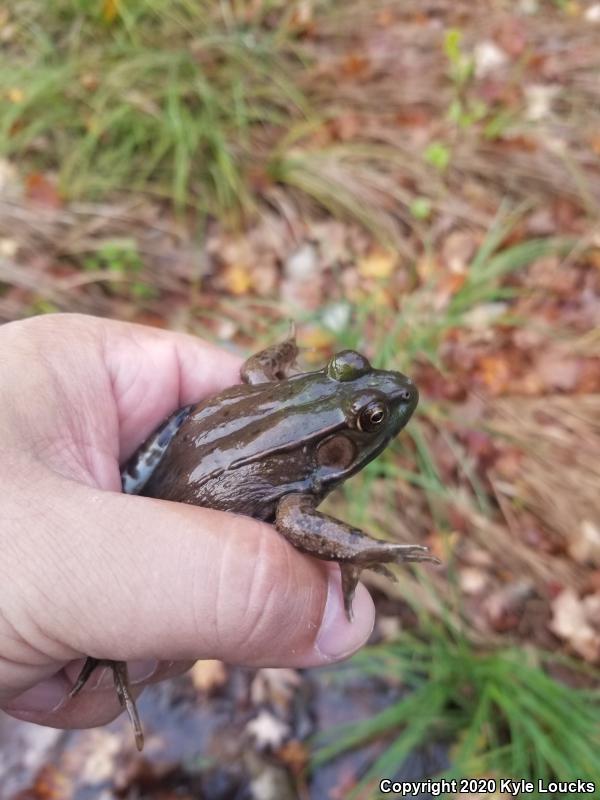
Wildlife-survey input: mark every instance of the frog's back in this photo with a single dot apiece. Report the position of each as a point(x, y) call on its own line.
point(244, 449)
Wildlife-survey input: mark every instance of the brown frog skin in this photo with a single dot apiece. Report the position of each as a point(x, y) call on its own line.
point(272, 448)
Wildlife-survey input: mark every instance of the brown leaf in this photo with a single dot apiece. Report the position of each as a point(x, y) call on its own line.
point(494, 371)
point(584, 546)
point(570, 622)
point(356, 65)
point(504, 607)
point(49, 784)
point(208, 675)
point(558, 371)
point(295, 755)
point(378, 264)
point(237, 279)
point(275, 686)
point(511, 35)
point(40, 189)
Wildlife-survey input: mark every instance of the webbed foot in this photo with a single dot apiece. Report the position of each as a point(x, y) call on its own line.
point(328, 538)
point(274, 363)
point(375, 559)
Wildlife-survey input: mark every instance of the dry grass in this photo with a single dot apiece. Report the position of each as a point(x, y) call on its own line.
point(558, 477)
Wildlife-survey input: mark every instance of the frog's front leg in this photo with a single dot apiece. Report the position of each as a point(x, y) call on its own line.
point(275, 363)
point(325, 537)
point(121, 681)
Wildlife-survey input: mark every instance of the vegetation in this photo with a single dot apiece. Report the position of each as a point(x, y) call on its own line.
point(151, 95)
point(500, 713)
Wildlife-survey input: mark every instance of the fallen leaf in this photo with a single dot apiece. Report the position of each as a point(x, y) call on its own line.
point(489, 58)
point(457, 250)
point(378, 263)
point(49, 784)
point(314, 341)
point(558, 371)
point(538, 100)
point(40, 189)
point(237, 279)
point(591, 604)
point(504, 607)
point(355, 65)
point(484, 315)
point(208, 675)
point(267, 730)
point(472, 580)
point(276, 686)
point(295, 755)
point(592, 13)
point(302, 264)
point(569, 622)
point(16, 95)
point(584, 546)
point(494, 371)
point(100, 763)
point(9, 248)
point(511, 35)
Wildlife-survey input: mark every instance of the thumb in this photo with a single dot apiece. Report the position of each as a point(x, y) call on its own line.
point(133, 578)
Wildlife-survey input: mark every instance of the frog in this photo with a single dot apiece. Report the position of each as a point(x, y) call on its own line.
point(273, 447)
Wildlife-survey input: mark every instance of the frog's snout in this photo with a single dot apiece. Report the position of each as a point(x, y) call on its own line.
point(408, 394)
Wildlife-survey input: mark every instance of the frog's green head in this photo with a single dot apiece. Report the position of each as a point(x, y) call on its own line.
point(376, 404)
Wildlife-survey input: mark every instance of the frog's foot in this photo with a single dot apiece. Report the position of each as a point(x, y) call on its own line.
point(121, 680)
point(375, 559)
point(328, 538)
point(275, 363)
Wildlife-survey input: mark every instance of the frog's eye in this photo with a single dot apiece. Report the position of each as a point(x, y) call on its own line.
point(372, 416)
point(347, 365)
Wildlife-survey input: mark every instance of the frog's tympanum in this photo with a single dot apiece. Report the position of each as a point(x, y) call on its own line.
point(272, 448)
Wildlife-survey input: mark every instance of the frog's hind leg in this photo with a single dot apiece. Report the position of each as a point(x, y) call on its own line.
point(139, 469)
point(275, 363)
point(121, 680)
point(327, 538)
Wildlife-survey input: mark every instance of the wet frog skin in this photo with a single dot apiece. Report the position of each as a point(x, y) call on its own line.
point(272, 448)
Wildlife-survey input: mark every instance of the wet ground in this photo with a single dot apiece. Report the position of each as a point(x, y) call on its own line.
point(247, 741)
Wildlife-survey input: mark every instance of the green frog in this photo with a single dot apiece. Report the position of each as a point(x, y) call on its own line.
point(273, 447)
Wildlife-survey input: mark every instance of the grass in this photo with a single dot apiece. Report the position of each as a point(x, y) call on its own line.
point(215, 106)
point(151, 95)
point(415, 335)
point(415, 332)
point(500, 713)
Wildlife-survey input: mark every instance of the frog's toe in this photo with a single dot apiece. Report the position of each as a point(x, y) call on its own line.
point(350, 576)
point(413, 553)
point(381, 569)
point(121, 681)
point(89, 666)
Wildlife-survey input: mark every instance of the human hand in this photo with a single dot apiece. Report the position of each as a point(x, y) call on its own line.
point(86, 570)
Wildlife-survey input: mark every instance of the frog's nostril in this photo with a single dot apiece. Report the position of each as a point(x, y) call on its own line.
point(406, 395)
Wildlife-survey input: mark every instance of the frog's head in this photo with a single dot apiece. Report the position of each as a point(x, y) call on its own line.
point(376, 405)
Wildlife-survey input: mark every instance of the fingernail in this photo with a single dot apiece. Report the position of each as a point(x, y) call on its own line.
point(46, 696)
point(338, 637)
point(140, 671)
